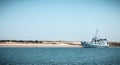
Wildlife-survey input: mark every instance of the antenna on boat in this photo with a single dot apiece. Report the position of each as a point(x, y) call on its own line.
point(96, 32)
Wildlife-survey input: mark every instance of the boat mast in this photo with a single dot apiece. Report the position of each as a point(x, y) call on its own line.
point(96, 36)
point(96, 33)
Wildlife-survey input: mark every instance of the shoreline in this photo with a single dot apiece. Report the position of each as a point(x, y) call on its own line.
point(47, 44)
point(39, 45)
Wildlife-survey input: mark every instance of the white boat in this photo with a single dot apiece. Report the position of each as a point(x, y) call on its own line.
point(96, 42)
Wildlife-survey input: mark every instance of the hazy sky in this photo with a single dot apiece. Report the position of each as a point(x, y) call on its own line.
point(59, 19)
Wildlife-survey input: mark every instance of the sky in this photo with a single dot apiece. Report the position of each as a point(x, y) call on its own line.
point(71, 20)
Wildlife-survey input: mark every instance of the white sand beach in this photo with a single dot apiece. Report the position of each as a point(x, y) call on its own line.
point(15, 44)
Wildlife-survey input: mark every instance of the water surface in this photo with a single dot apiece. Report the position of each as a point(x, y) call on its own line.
point(60, 56)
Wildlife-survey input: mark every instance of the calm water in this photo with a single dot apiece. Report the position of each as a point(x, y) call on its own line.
point(59, 56)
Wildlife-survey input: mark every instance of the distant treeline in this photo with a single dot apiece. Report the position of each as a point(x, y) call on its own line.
point(28, 41)
point(36, 41)
point(114, 43)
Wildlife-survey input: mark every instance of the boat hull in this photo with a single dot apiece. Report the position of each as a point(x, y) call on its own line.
point(89, 45)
